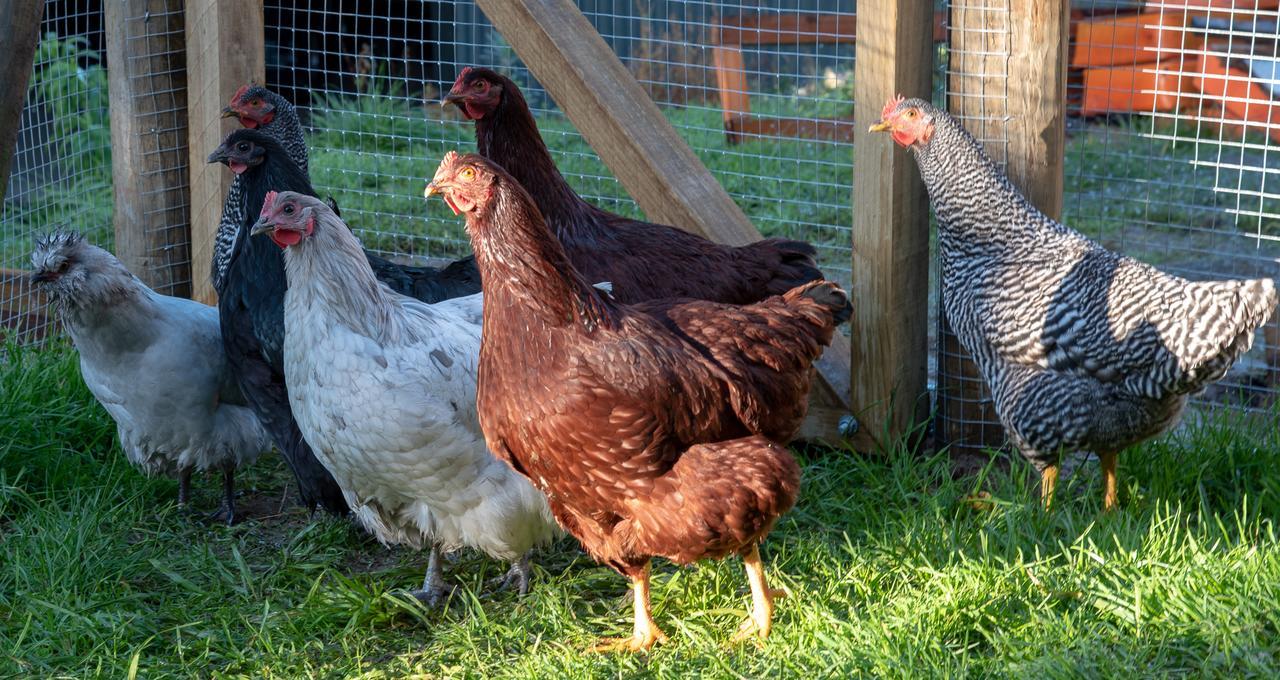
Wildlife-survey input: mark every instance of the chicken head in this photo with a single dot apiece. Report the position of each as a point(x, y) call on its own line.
point(252, 105)
point(465, 182)
point(239, 152)
point(477, 92)
point(909, 121)
point(287, 217)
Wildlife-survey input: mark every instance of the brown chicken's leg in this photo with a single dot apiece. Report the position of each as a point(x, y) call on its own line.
point(1110, 496)
point(762, 596)
point(646, 629)
point(1048, 481)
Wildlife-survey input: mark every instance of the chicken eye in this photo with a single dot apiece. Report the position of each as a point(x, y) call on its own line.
point(288, 209)
point(911, 113)
point(62, 268)
point(467, 174)
point(242, 146)
point(480, 85)
point(255, 102)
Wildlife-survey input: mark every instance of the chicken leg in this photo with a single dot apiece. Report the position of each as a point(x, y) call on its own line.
point(646, 631)
point(1048, 481)
point(1110, 497)
point(517, 575)
point(760, 621)
point(184, 487)
point(434, 588)
point(227, 510)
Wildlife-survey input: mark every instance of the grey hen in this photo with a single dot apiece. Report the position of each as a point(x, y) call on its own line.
point(1083, 349)
point(155, 363)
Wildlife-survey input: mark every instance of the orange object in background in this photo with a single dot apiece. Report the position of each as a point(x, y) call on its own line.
point(1131, 40)
point(1135, 89)
point(1243, 101)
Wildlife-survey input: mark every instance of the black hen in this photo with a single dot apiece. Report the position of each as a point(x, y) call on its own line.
point(251, 303)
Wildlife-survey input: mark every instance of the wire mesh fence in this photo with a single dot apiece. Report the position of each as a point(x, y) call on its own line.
point(1174, 128)
point(61, 171)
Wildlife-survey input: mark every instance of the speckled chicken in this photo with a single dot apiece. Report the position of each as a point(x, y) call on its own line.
point(1083, 349)
point(655, 429)
point(383, 387)
point(155, 363)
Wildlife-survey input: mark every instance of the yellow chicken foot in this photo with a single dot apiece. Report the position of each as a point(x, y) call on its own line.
point(761, 620)
point(646, 632)
point(1110, 496)
point(1048, 480)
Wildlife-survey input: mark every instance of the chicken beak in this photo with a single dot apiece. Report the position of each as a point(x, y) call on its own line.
point(262, 226)
point(451, 98)
point(228, 112)
point(42, 277)
point(882, 126)
point(217, 156)
point(432, 189)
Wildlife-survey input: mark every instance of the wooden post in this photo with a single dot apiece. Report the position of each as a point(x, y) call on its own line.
point(1007, 86)
point(890, 221)
point(19, 33)
point(653, 163)
point(148, 84)
point(224, 51)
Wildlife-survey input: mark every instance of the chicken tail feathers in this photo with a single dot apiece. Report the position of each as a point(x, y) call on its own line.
point(794, 263)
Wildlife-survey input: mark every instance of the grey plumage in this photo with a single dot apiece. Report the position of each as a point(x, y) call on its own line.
point(285, 127)
point(154, 362)
point(1083, 348)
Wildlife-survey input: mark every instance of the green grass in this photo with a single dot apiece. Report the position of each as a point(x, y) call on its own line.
point(892, 572)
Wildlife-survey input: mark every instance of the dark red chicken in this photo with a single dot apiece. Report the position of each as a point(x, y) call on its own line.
point(643, 261)
point(653, 428)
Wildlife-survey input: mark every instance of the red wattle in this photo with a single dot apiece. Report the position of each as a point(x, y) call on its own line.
point(286, 237)
point(449, 202)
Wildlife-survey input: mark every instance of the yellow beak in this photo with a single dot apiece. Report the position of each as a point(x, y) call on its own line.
point(432, 189)
point(880, 127)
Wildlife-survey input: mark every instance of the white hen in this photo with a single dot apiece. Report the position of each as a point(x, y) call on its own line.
point(155, 363)
point(383, 387)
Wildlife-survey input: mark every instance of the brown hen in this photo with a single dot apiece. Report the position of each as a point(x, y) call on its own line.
point(653, 428)
point(643, 260)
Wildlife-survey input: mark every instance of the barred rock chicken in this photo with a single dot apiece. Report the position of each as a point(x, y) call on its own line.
point(258, 108)
point(155, 363)
point(1083, 348)
point(643, 261)
point(251, 304)
point(384, 389)
point(655, 429)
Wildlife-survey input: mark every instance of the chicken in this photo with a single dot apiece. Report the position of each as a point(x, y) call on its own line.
point(255, 107)
point(655, 429)
point(384, 389)
point(1083, 349)
point(155, 363)
point(258, 108)
point(252, 301)
point(643, 261)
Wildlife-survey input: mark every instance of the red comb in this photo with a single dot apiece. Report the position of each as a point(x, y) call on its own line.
point(888, 108)
point(461, 75)
point(239, 93)
point(266, 203)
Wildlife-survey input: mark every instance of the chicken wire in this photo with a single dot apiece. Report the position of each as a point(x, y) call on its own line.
point(61, 174)
point(366, 76)
point(1169, 159)
point(61, 170)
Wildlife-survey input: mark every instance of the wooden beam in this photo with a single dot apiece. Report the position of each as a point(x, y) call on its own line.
point(24, 313)
point(224, 51)
point(147, 79)
point(653, 163)
point(890, 222)
point(19, 33)
point(1007, 86)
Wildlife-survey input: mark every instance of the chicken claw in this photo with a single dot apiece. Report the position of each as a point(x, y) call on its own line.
point(646, 633)
point(435, 590)
point(517, 575)
point(760, 622)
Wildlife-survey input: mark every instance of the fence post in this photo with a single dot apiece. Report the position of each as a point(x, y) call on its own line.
point(224, 51)
point(890, 222)
point(147, 81)
point(20, 33)
point(1007, 83)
